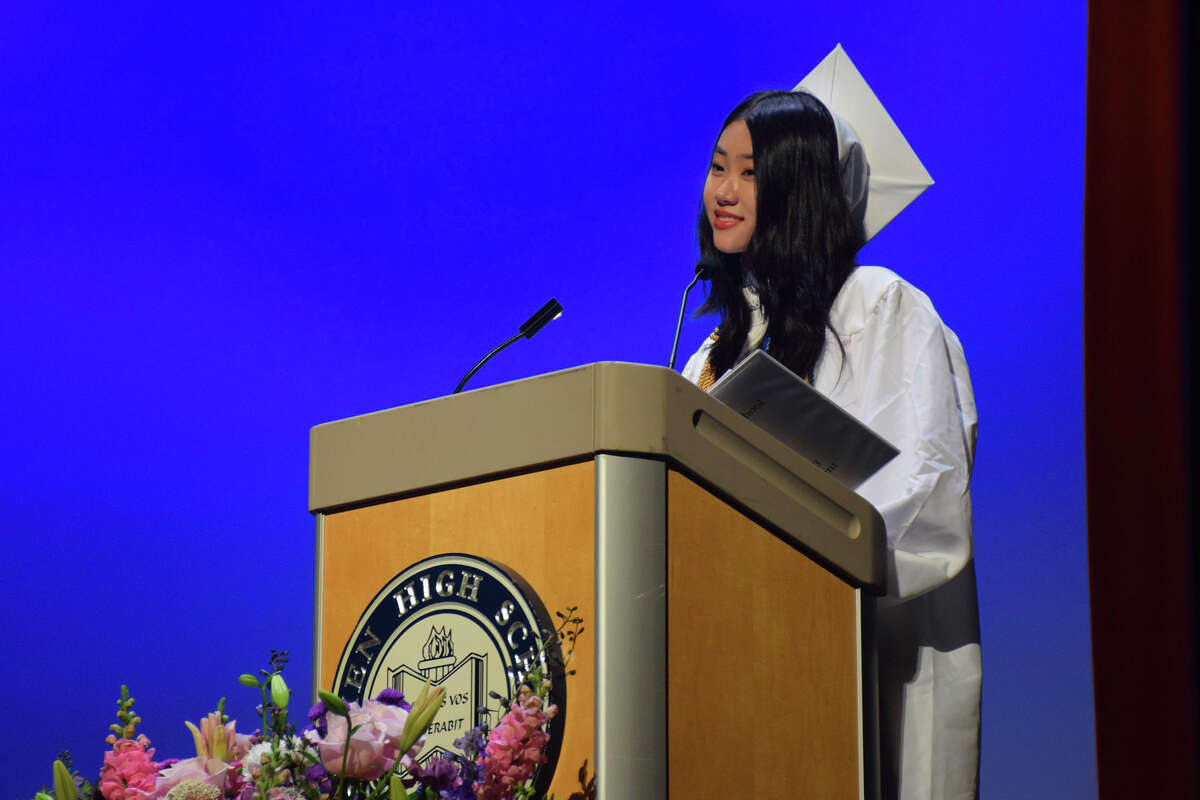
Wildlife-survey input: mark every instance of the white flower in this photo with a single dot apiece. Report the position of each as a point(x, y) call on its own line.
point(289, 754)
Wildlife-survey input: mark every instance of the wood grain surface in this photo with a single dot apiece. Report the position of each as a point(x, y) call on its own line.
point(762, 654)
point(762, 664)
point(540, 524)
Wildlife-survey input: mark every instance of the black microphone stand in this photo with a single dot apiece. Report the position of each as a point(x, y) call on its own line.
point(551, 311)
point(703, 270)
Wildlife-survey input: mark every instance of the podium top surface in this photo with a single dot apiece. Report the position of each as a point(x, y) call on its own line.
point(573, 415)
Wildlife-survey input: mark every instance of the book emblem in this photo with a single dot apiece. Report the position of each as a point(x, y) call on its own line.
point(463, 623)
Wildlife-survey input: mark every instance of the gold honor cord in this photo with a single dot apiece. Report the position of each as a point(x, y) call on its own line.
point(707, 376)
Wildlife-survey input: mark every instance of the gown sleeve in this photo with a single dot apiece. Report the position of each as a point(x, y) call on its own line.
point(904, 376)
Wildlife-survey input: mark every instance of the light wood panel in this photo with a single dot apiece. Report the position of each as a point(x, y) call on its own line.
point(540, 524)
point(762, 663)
point(761, 640)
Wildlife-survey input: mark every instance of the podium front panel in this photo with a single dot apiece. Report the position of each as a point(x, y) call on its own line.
point(764, 654)
point(709, 638)
point(540, 524)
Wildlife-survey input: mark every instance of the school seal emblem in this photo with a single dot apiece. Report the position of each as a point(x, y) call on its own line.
point(461, 622)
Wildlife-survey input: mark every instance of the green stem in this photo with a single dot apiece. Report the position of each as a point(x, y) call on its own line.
point(345, 757)
point(266, 724)
point(385, 780)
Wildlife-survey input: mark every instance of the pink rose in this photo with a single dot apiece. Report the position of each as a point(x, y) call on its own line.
point(212, 771)
point(372, 749)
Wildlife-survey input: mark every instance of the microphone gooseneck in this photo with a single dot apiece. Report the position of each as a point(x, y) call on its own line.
point(704, 270)
point(543, 316)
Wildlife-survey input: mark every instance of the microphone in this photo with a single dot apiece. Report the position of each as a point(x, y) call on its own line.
point(704, 270)
point(546, 314)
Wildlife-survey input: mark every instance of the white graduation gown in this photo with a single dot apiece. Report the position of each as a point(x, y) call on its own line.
point(904, 376)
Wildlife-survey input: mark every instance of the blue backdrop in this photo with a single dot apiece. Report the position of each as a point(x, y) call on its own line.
point(221, 226)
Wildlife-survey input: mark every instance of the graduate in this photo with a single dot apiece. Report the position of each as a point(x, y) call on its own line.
point(786, 205)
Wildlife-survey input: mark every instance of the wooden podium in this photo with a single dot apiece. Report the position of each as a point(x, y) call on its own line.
point(721, 577)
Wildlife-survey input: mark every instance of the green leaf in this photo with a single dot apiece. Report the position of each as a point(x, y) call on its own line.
point(64, 784)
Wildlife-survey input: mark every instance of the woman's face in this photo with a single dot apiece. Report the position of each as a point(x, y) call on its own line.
point(729, 193)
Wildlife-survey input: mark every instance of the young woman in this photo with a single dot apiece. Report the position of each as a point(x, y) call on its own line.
point(782, 212)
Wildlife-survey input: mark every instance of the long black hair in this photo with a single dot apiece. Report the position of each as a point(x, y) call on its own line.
point(805, 235)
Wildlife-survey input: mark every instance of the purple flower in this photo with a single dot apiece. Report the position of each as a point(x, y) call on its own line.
point(439, 774)
point(463, 791)
point(469, 769)
point(472, 742)
point(393, 697)
point(319, 776)
point(316, 715)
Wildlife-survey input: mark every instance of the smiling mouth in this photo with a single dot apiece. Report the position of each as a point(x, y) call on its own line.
point(724, 221)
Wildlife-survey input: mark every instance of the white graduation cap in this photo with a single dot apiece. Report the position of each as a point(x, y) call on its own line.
point(896, 174)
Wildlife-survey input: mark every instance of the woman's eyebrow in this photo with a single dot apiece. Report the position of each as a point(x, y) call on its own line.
point(720, 152)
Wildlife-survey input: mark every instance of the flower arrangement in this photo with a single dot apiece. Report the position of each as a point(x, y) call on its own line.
point(346, 751)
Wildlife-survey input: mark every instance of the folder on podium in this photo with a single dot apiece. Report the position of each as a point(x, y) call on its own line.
point(724, 582)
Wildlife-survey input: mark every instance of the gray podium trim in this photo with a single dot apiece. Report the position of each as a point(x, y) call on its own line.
point(631, 628)
point(600, 408)
point(319, 602)
point(869, 785)
point(777, 475)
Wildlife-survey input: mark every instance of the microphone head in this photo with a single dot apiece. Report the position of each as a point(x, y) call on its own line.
point(547, 313)
point(707, 267)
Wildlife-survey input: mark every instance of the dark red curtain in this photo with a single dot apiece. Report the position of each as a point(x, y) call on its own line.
point(1137, 297)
